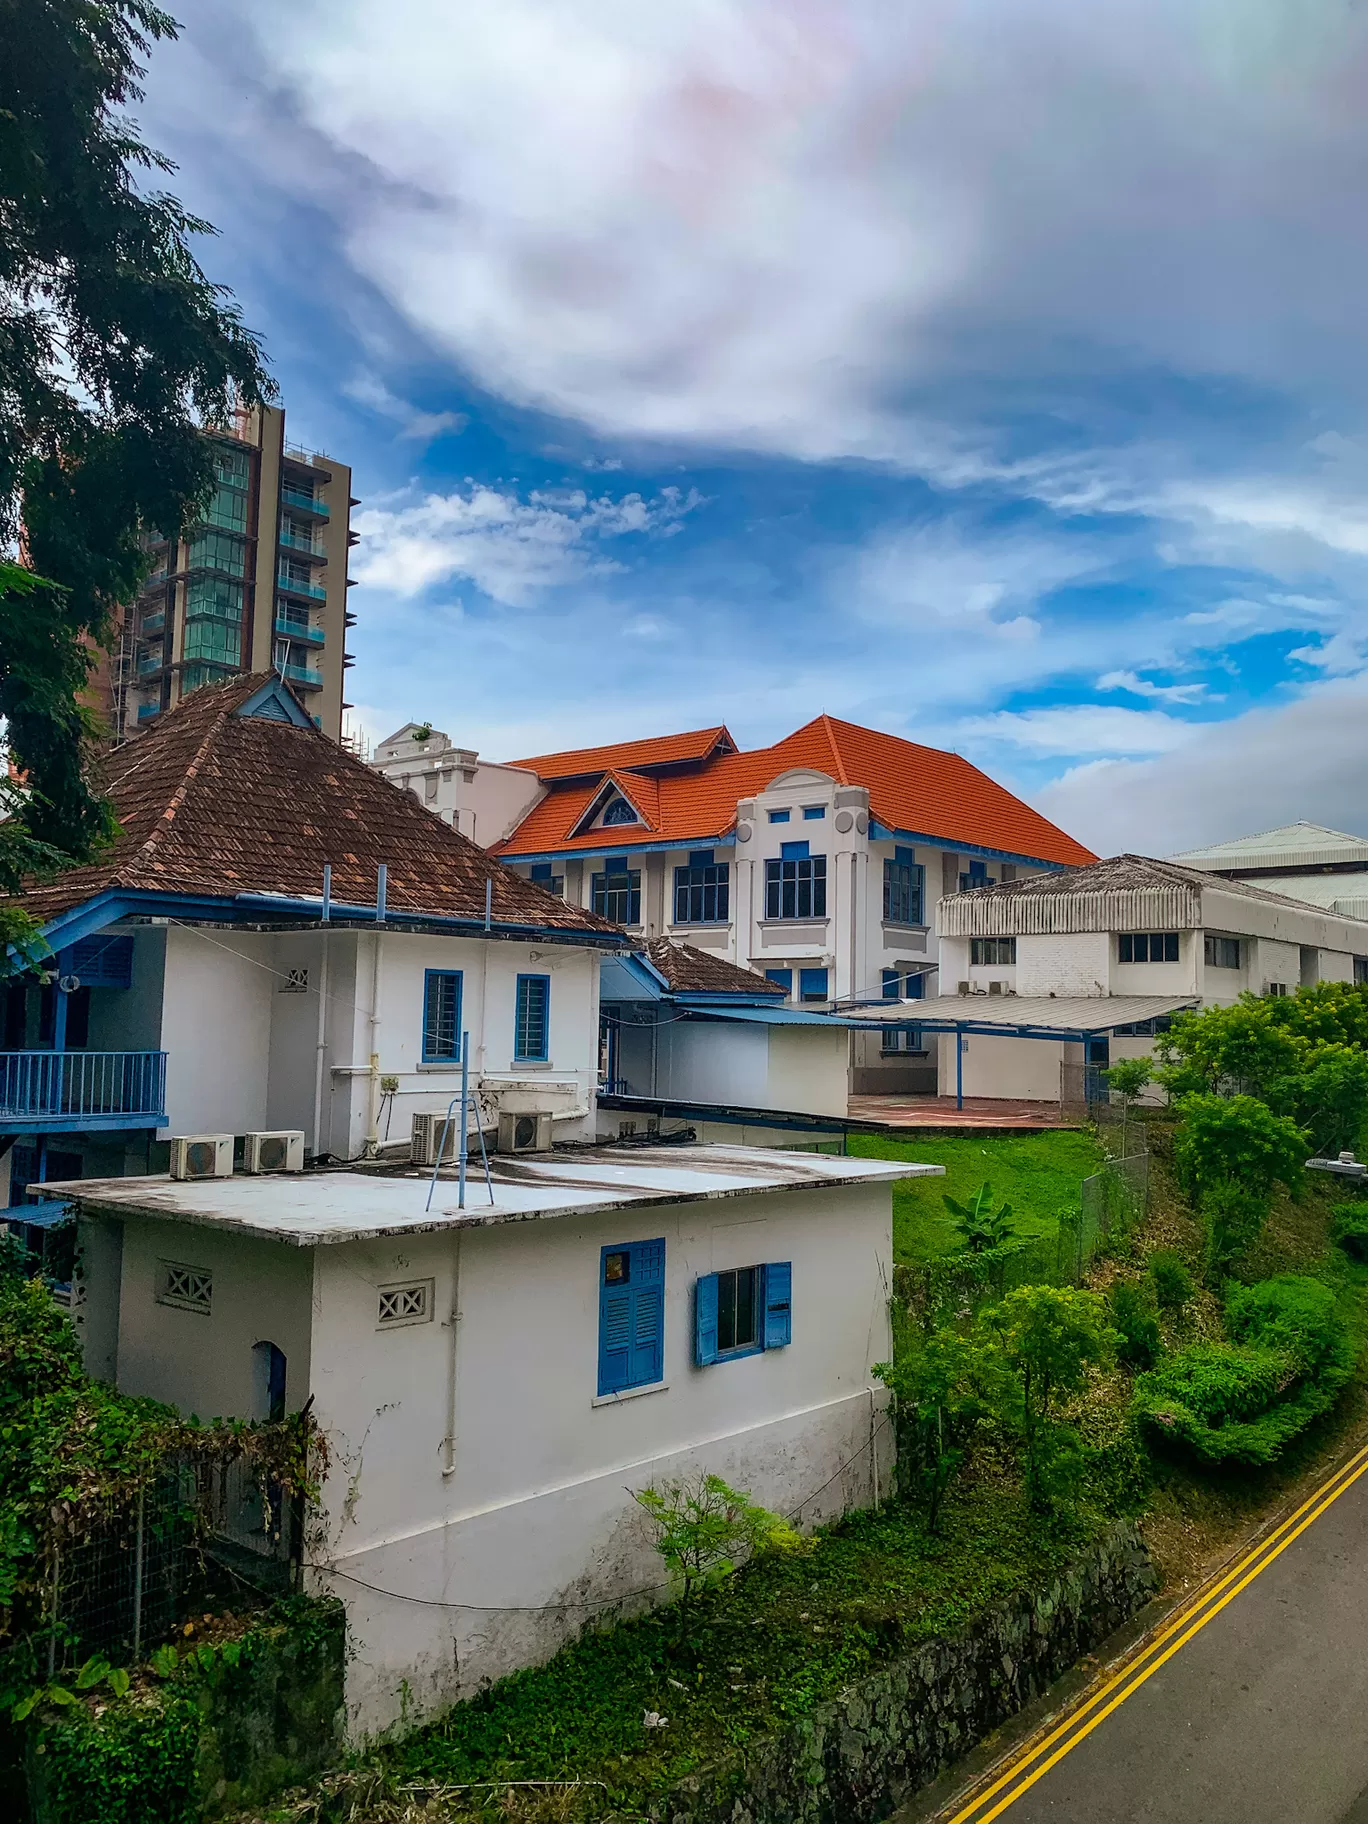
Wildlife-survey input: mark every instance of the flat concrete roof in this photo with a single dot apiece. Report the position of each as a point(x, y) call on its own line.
point(316, 1209)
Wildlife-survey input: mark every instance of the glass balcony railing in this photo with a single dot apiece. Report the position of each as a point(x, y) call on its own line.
point(294, 538)
point(152, 623)
point(293, 585)
point(302, 499)
point(304, 676)
point(299, 630)
point(146, 711)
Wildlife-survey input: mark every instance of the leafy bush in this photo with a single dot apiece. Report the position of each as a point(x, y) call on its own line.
point(979, 1226)
point(1349, 1229)
point(702, 1527)
point(939, 1399)
point(1330, 1013)
point(1135, 1324)
point(1233, 1215)
point(1173, 1287)
point(1046, 1339)
point(1298, 1317)
point(1225, 1138)
point(1328, 1096)
point(1243, 1046)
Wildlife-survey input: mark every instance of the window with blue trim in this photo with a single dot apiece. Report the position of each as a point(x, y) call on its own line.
point(619, 811)
point(554, 883)
point(631, 1316)
point(782, 978)
point(743, 1311)
point(898, 987)
point(532, 1022)
point(813, 813)
point(441, 1016)
point(780, 816)
point(795, 885)
point(616, 893)
point(702, 890)
point(977, 876)
point(904, 889)
point(812, 985)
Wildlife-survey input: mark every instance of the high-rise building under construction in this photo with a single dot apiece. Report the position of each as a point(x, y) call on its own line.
point(261, 581)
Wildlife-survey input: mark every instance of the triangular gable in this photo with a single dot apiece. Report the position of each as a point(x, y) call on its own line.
point(615, 785)
point(275, 702)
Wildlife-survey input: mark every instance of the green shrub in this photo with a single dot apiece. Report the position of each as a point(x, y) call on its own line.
point(1135, 1324)
point(1173, 1287)
point(1298, 1317)
point(1225, 1139)
point(1233, 1215)
point(1349, 1229)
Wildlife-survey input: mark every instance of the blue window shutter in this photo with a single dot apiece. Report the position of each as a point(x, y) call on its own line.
point(904, 857)
point(916, 987)
point(782, 978)
point(705, 1320)
point(890, 984)
point(778, 1304)
point(615, 1335)
point(648, 1312)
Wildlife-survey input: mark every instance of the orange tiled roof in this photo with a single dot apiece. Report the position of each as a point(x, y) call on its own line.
point(659, 750)
point(920, 790)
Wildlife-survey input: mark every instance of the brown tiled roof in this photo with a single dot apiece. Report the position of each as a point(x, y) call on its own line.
point(655, 751)
point(689, 970)
point(216, 803)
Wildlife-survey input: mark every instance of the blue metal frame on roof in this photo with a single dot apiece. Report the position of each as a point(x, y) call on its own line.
point(113, 903)
point(880, 832)
point(622, 835)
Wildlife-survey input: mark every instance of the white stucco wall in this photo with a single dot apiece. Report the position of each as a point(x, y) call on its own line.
point(809, 1070)
point(216, 1024)
point(712, 1061)
point(537, 1511)
point(1026, 1069)
point(1079, 964)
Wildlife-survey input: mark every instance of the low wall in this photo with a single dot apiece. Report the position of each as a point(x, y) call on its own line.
point(864, 1753)
point(236, 1724)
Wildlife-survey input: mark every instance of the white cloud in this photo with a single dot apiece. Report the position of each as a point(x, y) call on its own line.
point(1081, 728)
point(422, 427)
point(1144, 687)
point(953, 574)
point(513, 549)
point(1306, 760)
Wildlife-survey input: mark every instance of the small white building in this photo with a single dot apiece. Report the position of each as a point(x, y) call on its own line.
point(1106, 953)
point(1304, 861)
point(480, 798)
point(493, 1381)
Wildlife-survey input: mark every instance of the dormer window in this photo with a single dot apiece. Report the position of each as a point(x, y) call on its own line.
point(619, 811)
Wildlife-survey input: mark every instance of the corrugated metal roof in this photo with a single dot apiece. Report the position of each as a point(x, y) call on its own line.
point(1085, 1014)
point(1291, 845)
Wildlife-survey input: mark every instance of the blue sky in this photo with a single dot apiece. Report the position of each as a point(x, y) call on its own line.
point(989, 371)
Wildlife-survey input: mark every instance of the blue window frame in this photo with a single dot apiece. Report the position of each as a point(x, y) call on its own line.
point(616, 893)
point(977, 876)
point(795, 886)
point(702, 890)
point(542, 874)
point(813, 813)
point(631, 1316)
point(812, 985)
point(532, 1023)
point(441, 1016)
point(783, 978)
point(904, 891)
point(619, 811)
point(780, 816)
point(743, 1311)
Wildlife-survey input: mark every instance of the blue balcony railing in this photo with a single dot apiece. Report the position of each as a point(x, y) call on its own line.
point(293, 585)
point(300, 630)
point(78, 1091)
point(302, 498)
point(305, 677)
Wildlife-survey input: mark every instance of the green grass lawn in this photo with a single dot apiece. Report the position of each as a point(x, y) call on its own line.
point(1038, 1174)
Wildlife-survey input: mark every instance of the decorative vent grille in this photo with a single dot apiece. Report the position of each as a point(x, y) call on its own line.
point(406, 1304)
point(296, 982)
point(187, 1288)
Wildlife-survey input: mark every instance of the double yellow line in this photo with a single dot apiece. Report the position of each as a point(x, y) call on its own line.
point(1039, 1756)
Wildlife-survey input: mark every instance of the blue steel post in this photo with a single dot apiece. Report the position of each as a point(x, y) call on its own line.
point(959, 1067)
point(461, 1130)
point(381, 891)
point(327, 891)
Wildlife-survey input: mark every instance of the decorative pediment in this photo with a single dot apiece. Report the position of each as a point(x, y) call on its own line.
point(616, 805)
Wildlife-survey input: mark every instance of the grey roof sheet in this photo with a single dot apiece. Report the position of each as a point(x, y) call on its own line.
point(1092, 1013)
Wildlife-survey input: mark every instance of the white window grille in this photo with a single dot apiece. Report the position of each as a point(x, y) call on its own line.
point(410, 1303)
point(296, 982)
point(187, 1288)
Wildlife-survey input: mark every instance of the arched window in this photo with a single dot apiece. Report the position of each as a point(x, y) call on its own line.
point(619, 811)
point(268, 1381)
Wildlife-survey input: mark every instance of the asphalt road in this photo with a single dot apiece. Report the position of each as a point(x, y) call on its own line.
point(1259, 1717)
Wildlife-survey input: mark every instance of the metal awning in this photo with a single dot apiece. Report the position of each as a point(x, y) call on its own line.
point(1015, 1016)
point(775, 1016)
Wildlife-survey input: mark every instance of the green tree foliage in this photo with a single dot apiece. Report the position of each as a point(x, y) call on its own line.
point(1173, 1287)
point(1233, 1215)
point(1047, 1338)
point(1128, 1078)
point(1349, 1229)
point(980, 1225)
point(1244, 1401)
point(1225, 1138)
point(1243, 1047)
point(702, 1528)
point(1134, 1321)
point(940, 1396)
point(1330, 1013)
point(114, 349)
point(1329, 1096)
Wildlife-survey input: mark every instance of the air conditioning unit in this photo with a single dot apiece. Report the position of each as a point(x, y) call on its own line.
point(202, 1156)
point(427, 1137)
point(997, 987)
point(281, 1150)
point(524, 1133)
point(963, 987)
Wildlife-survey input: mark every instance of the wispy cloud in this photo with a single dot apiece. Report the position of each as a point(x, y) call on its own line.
point(419, 426)
point(1081, 728)
point(1145, 687)
point(514, 549)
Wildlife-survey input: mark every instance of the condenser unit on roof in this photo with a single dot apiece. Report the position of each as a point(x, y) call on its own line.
point(529, 1133)
point(279, 1150)
point(997, 987)
point(427, 1137)
point(202, 1156)
point(963, 987)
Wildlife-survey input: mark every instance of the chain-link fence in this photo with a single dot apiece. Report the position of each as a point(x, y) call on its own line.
point(1112, 1203)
